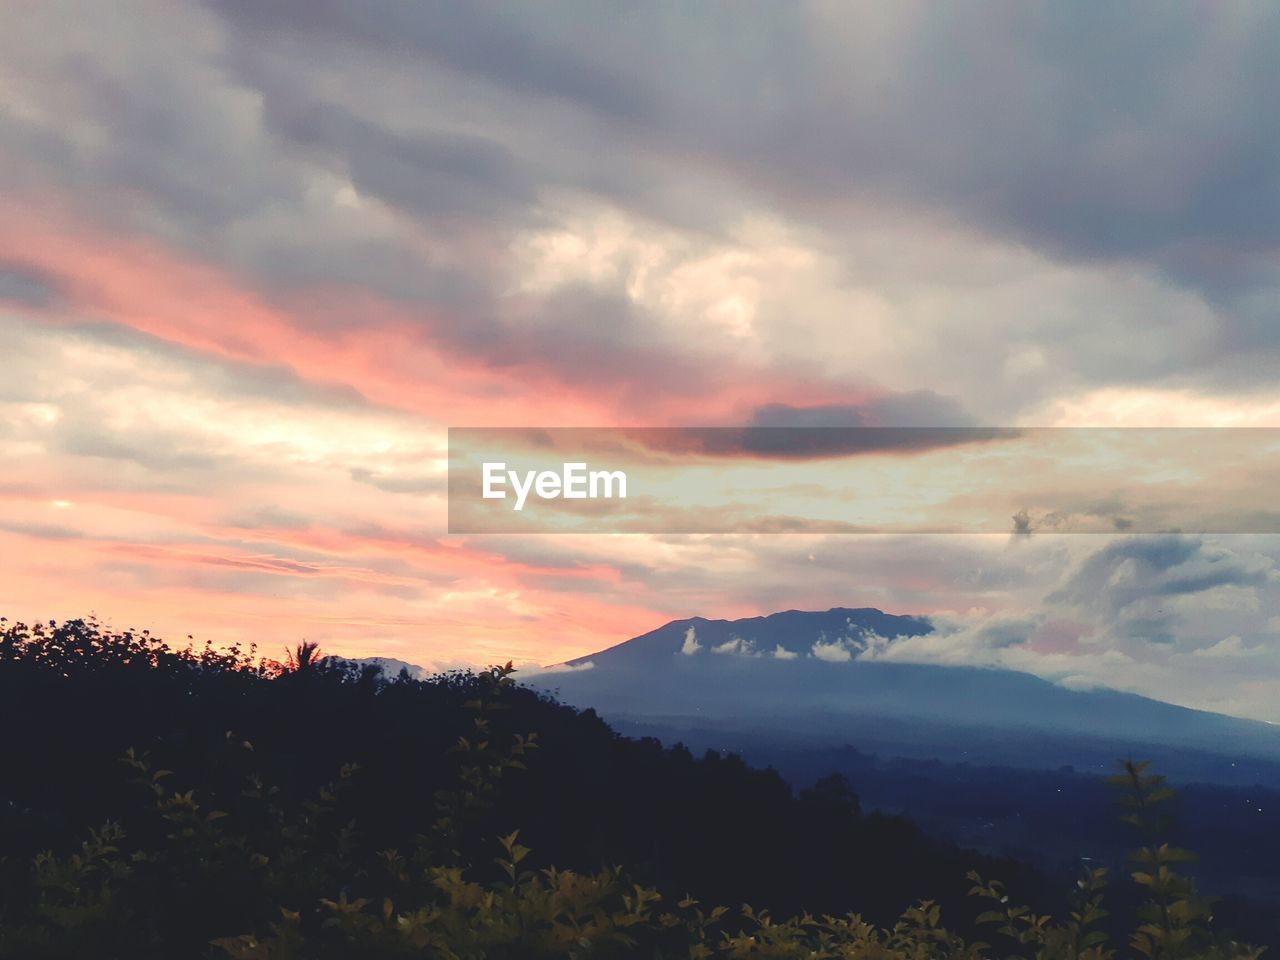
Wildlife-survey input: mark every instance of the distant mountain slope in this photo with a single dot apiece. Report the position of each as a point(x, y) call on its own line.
point(797, 675)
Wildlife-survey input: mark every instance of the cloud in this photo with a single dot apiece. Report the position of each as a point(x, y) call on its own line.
point(394, 483)
point(320, 162)
point(477, 42)
point(691, 644)
point(915, 408)
point(26, 285)
point(1232, 646)
point(1059, 163)
point(970, 638)
point(736, 646)
point(784, 432)
point(558, 668)
point(1142, 584)
point(1188, 619)
point(832, 651)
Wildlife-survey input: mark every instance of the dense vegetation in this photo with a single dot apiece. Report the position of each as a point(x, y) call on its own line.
point(1051, 818)
point(163, 803)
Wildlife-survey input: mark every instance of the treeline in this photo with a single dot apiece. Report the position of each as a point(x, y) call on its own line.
point(248, 808)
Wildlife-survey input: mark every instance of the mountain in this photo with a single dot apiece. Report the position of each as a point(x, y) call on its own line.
point(797, 678)
point(779, 635)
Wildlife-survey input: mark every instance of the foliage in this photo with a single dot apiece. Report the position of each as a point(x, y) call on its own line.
point(246, 867)
point(1175, 920)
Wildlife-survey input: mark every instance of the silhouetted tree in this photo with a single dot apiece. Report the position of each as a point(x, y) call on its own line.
point(304, 659)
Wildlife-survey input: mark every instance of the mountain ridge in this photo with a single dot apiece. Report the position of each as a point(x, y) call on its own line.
point(860, 620)
point(801, 676)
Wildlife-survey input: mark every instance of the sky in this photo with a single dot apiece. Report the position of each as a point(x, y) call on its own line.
point(256, 259)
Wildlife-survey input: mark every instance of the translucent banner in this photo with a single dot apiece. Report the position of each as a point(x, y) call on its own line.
point(863, 480)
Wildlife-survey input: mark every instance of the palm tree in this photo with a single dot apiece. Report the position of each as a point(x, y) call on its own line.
point(304, 658)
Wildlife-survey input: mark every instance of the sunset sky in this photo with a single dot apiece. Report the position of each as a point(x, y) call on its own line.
point(256, 258)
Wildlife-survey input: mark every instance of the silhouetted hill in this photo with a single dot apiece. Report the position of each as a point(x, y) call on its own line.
point(708, 825)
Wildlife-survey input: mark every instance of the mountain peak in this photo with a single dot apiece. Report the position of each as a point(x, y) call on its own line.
point(786, 635)
point(799, 677)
